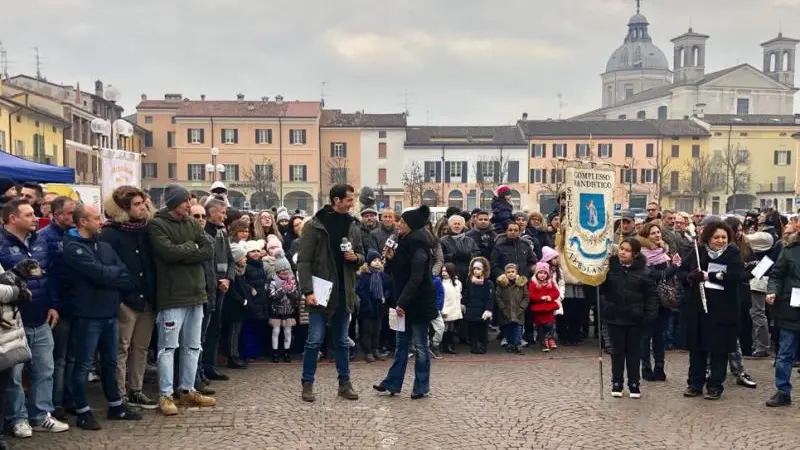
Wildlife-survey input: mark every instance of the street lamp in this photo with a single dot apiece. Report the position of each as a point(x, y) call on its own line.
point(213, 168)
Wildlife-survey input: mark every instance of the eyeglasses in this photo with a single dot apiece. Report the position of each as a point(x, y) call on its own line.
point(650, 209)
point(199, 216)
point(699, 216)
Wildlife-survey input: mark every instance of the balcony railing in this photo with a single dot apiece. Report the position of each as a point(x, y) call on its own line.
point(768, 188)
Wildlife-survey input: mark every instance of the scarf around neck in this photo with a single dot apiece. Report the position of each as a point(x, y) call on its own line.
point(655, 256)
point(376, 283)
point(714, 254)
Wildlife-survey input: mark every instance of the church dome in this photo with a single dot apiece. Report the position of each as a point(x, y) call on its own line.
point(638, 50)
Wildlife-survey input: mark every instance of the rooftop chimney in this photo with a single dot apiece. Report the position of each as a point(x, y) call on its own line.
point(173, 97)
point(203, 97)
point(265, 99)
point(144, 97)
point(524, 116)
point(240, 97)
point(279, 99)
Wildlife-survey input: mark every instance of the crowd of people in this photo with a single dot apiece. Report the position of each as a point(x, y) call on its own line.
point(175, 292)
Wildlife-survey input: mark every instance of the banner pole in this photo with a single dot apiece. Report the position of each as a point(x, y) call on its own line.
point(599, 342)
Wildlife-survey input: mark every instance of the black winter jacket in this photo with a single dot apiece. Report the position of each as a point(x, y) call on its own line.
point(256, 277)
point(96, 277)
point(412, 281)
point(515, 251)
point(501, 214)
point(477, 298)
point(484, 239)
point(629, 294)
point(459, 250)
point(785, 276)
point(133, 248)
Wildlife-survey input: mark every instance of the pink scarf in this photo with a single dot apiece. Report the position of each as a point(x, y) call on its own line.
point(655, 256)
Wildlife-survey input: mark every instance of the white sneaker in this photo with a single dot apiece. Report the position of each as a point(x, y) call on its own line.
point(22, 429)
point(93, 377)
point(504, 343)
point(52, 425)
point(523, 343)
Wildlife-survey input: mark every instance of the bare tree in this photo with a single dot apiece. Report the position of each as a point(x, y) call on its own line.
point(261, 179)
point(736, 161)
point(661, 165)
point(557, 177)
point(698, 178)
point(491, 170)
point(414, 183)
point(337, 169)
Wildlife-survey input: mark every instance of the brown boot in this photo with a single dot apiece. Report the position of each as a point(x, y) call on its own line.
point(346, 391)
point(308, 392)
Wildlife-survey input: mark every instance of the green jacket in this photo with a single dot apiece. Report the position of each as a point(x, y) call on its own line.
point(315, 259)
point(180, 249)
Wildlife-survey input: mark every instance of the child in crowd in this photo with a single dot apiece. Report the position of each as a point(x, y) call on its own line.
point(274, 246)
point(502, 209)
point(437, 324)
point(479, 300)
point(284, 297)
point(512, 301)
point(373, 288)
point(234, 309)
point(544, 297)
point(451, 310)
point(551, 257)
point(254, 330)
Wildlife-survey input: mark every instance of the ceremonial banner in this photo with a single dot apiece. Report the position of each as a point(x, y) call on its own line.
point(588, 228)
point(120, 168)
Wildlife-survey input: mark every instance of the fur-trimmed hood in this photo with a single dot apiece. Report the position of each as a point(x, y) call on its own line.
point(366, 269)
point(521, 281)
point(652, 245)
point(487, 268)
point(116, 214)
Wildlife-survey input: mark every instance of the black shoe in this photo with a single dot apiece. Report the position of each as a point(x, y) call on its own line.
point(236, 363)
point(287, 357)
point(761, 354)
point(450, 350)
point(140, 400)
point(648, 374)
point(60, 414)
point(204, 390)
point(212, 373)
point(276, 358)
point(659, 375)
point(713, 394)
point(746, 380)
point(87, 421)
point(122, 412)
point(692, 392)
point(380, 387)
point(616, 390)
point(779, 399)
point(634, 391)
point(418, 396)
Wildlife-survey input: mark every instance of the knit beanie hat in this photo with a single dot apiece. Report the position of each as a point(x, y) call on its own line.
point(6, 184)
point(510, 266)
point(283, 214)
point(503, 190)
point(272, 243)
point(372, 255)
point(416, 218)
point(281, 263)
point(238, 251)
point(174, 195)
point(542, 267)
point(253, 246)
point(548, 254)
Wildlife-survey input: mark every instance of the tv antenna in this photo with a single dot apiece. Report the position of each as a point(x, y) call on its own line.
point(561, 104)
point(38, 63)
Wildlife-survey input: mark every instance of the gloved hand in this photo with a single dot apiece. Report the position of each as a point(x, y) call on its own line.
point(487, 315)
point(695, 277)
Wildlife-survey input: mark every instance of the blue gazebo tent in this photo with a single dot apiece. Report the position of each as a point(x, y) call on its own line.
point(22, 170)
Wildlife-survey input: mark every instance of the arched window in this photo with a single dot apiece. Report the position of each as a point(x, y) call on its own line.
point(610, 94)
point(681, 58)
point(472, 200)
point(456, 199)
point(695, 56)
point(662, 113)
point(430, 198)
point(773, 60)
point(786, 61)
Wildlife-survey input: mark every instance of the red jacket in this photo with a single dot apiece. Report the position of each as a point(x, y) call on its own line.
point(543, 311)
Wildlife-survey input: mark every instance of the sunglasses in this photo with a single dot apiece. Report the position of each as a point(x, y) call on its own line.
point(651, 209)
point(199, 216)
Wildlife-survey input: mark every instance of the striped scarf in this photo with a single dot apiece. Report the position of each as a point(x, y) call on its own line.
point(376, 283)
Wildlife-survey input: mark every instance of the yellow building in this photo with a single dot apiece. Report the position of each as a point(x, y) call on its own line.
point(753, 161)
point(681, 158)
point(30, 132)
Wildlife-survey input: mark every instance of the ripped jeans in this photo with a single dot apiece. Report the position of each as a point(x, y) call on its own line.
point(178, 327)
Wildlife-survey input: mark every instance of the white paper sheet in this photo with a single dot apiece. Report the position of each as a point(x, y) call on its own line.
point(714, 267)
point(795, 300)
point(396, 323)
point(762, 267)
point(322, 290)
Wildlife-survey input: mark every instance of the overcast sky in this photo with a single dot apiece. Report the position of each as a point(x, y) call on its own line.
point(470, 62)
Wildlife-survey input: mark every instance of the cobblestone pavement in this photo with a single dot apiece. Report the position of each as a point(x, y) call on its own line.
point(495, 401)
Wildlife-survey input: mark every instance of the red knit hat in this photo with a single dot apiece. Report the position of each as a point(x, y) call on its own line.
point(503, 190)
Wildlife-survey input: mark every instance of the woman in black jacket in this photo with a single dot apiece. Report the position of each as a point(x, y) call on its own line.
point(630, 301)
point(711, 334)
point(410, 268)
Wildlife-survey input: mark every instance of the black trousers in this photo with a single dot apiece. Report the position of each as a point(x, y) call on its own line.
point(5, 379)
point(478, 334)
point(370, 330)
point(625, 343)
point(717, 362)
point(574, 311)
point(213, 334)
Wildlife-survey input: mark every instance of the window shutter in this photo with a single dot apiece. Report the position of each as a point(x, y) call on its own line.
point(202, 136)
point(513, 171)
point(642, 176)
point(553, 151)
point(189, 135)
point(789, 157)
point(464, 170)
point(235, 135)
point(552, 177)
point(333, 146)
point(303, 136)
point(775, 157)
point(291, 136)
point(622, 175)
point(533, 154)
point(655, 176)
point(497, 172)
point(344, 149)
point(544, 150)
point(610, 150)
point(291, 172)
point(577, 150)
point(189, 172)
point(438, 171)
point(446, 172)
point(530, 179)
point(544, 175)
point(258, 132)
point(633, 175)
point(478, 171)
point(269, 136)
point(236, 172)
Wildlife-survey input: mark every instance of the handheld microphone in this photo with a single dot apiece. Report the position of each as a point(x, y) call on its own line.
point(391, 243)
point(346, 245)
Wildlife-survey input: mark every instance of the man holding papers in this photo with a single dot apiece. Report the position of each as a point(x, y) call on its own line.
point(330, 254)
point(410, 267)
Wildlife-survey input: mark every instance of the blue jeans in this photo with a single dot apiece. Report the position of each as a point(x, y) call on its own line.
point(40, 392)
point(88, 337)
point(654, 331)
point(672, 332)
point(179, 327)
point(512, 334)
point(340, 324)
point(788, 342)
point(418, 335)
